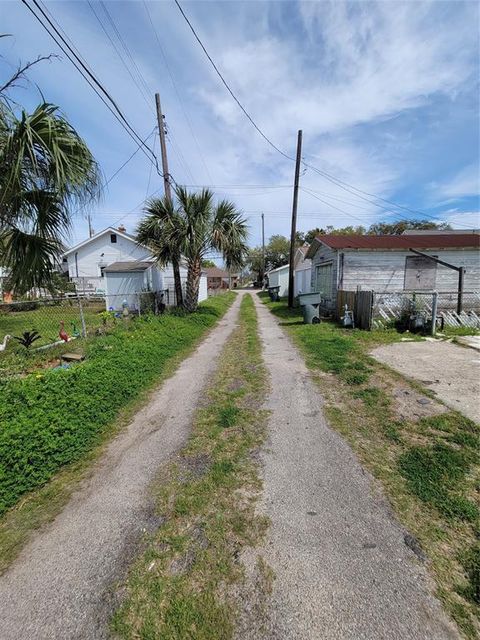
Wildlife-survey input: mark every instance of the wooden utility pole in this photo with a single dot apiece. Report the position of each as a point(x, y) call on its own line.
point(294, 220)
point(90, 228)
point(263, 249)
point(168, 194)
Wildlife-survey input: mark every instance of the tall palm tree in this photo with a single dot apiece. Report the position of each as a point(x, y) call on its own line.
point(45, 170)
point(195, 225)
point(155, 232)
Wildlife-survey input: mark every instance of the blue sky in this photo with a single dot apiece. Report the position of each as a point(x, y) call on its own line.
point(386, 93)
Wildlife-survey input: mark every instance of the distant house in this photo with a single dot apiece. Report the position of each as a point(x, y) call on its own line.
point(279, 278)
point(220, 279)
point(88, 259)
point(384, 263)
point(303, 271)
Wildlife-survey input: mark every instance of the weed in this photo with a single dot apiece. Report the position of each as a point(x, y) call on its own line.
point(470, 560)
point(51, 419)
point(228, 416)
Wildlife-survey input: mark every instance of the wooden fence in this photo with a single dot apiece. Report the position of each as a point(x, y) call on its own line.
point(361, 303)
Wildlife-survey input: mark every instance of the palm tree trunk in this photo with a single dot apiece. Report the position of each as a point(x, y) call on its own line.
point(177, 283)
point(193, 284)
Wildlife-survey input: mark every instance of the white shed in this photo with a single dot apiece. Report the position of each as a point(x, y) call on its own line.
point(303, 271)
point(126, 281)
point(279, 278)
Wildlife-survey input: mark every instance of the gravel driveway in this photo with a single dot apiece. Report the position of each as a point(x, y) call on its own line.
point(61, 585)
point(343, 568)
point(449, 370)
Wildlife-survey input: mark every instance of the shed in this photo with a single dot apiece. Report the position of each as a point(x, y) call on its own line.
point(385, 264)
point(279, 278)
point(125, 281)
point(303, 271)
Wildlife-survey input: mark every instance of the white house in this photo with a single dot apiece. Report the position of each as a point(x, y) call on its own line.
point(88, 259)
point(385, 264)
point(279, 278)
point(303, 271)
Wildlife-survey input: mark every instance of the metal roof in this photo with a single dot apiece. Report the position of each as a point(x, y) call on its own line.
point(133, 265)
point(405, 242)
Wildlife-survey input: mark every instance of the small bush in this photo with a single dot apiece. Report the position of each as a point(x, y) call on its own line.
point(51, 419)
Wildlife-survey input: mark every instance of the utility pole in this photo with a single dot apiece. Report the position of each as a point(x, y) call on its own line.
point(163, 146)
point(90, 229)
point(168, 194)
point(294, 220)
point(263, 249)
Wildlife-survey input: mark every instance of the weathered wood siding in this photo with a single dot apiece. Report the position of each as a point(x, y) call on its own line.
point(323, 256)
point(385, 270)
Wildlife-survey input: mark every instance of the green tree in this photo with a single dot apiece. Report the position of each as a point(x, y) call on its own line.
point(46, 170)
point(208, 264)
point(194, 226)
point(277, 252)
point(397, 228)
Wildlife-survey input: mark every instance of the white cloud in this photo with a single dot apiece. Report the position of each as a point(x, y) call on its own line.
point(465, 183)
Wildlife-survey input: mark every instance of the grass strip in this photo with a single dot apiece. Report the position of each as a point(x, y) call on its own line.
point(182, 586)
point(428, 466)
point(54, 424)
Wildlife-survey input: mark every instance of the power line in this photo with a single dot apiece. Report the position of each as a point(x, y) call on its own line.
point(82, 68)
point(340, 183)
point(174, 84)
point(228, 86)
point(120, 56)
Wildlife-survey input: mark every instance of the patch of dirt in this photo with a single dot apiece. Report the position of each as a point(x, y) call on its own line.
point(410, 405)
point(194, 467)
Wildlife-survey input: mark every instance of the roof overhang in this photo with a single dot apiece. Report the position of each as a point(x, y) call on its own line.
point(99, 235)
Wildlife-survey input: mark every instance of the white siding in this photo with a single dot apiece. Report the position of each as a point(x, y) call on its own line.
point(303, 280)
point(124, 286)
point(385, 270)
point(100, 251)
point(279, 278)
point(203, 289)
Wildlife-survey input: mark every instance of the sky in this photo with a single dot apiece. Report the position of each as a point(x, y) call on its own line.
point(386, 94)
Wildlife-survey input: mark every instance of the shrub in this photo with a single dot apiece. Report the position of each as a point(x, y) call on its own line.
point(51, 419)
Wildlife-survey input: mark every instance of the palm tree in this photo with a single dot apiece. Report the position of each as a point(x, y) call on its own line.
point(45, 170)
point(195, 226)
point(154, 232)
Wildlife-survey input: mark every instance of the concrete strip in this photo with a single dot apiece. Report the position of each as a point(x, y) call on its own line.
point(451, 371)
point(60, 587)
point(343, 569)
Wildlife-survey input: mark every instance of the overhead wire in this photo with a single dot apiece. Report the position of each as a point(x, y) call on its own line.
point(90, 77)
point(121, 57)
point(360, 193)
point(175, 87)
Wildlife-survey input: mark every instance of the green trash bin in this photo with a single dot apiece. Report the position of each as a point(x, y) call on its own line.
point(311, 313)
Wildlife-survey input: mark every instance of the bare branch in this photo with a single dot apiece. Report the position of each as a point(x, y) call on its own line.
point(22, 70)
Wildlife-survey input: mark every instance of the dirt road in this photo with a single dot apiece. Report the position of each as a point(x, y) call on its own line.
point(60, 587)
point(343, 569)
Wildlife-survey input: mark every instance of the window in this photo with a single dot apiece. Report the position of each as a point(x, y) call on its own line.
point(102, 272)
point(113, 238)
point(420, 273)
point(323, 280)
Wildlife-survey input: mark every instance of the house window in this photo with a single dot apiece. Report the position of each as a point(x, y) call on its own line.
point(420, 273)
point(102, 272)
point(323, 280)
point(113, 238)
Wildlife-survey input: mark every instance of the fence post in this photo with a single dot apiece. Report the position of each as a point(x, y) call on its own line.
point(433, 329)
point(82, 317)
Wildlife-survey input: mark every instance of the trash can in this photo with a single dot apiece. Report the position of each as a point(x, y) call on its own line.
point(311, 313)
point(310, 303)
point(273, 293)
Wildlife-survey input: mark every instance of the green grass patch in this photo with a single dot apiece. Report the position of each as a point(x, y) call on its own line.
point(51, 419)
point(428, 466)
point(436, 475)
point(181, 587)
